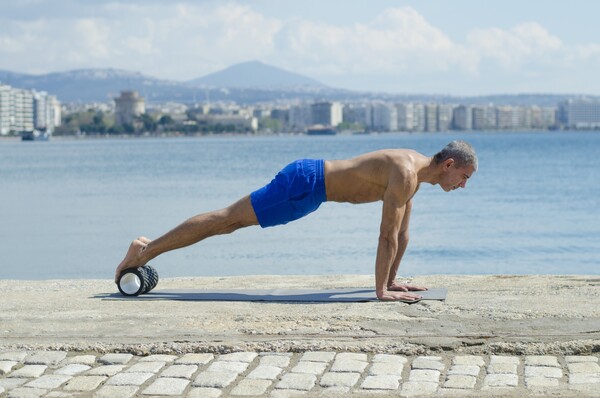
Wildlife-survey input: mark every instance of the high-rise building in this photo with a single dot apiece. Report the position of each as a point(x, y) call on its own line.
point(128, 106)
point(418, 117)
point(431, 117)
point(444, 117)
point(580, 113)
point(385, 117)
point(326, 113)
point(462, 118)
point(299, 117)
point(4, 109)
point(406, 115)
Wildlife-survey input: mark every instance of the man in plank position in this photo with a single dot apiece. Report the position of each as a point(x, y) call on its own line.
point(391, 175)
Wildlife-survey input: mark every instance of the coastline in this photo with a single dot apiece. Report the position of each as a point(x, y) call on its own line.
point(490, 314)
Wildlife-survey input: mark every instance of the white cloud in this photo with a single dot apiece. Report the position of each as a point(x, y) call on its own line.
point(398, 47)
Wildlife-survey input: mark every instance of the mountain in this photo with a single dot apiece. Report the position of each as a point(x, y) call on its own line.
point(255, 74)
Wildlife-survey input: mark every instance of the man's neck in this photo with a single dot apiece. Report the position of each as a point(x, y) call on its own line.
point(427, 171)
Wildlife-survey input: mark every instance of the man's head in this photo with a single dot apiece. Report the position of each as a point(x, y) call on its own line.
point(458, 162)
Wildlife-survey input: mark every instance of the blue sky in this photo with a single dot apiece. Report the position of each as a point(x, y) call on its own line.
point(459, 47)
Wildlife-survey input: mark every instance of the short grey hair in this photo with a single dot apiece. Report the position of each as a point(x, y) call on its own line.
point(461, 151)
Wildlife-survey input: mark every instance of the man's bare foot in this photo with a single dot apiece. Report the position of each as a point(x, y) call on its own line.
point(134, 257)
point(405, 288)
point(394, 296)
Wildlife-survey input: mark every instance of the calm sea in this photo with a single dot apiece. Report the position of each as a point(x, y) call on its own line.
point(68, 209)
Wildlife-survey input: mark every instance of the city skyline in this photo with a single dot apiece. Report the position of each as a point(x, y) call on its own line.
point(431, 47)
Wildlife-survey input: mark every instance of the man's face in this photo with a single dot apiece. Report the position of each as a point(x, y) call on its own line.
point(455, 177)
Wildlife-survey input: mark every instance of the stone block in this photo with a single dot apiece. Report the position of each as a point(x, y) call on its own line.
point(180, 371)
point(265, 372)
point(195, 359)
point(502, 368)
point(583, 367)
point(106, 370)
point(115, 359)
point(543, 371)
point(496, 359)
point(10, 384)
point(116, 391)
point(422, 363)
point(382, 382)
point(427, 375)
point(80, 359)
point(339, 379)
point(48, 358)
point(468, 370)
point(460, 381)
point(84, 383)
point(541, 382)
point(48, 382)
point(239, 357)
point(26, 392)
point(468, 360)
point(314, 368)
point(348, 365)
point(72, 370)
point(318, 356)
point(29, 371)
point(204, 392)
point(386, 368)
point(389, 358)
point(418, 388)
point(297, 381)
point(7, 366)
point(351, 356)
point(15, 356)
point(167, 386)
point(279, 361)
point(568, 358)
point(226, 366)
point(251, 387)
point(129, 379)
point(584, 378)
point(542, 360)
point(501, 380)
point(159, 358)
point(215, 379)
point(145, 367)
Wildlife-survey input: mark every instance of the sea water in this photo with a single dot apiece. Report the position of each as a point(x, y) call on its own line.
point(70, 208)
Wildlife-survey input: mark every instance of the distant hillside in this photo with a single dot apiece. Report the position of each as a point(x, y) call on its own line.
point(246, 83)
point(255, 74)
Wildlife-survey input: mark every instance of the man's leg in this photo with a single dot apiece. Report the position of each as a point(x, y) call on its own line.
point(225, 221)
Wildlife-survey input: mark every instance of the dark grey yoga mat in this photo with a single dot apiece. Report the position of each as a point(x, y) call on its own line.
point(287, 295)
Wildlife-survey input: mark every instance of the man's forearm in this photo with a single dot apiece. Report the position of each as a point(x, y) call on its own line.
point(386, 252)
point(402, 245)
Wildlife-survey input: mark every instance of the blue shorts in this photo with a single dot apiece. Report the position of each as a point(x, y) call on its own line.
point(295, 191)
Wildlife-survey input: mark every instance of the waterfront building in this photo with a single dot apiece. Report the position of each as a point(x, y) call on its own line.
point(299, 117)
point(128, 106)
point(418, 117)
point(4, 109)
point(385, 117)
point(354, 114)
point(580, 113)
point(405, 114)
point(444, 117)
point(462, 117)
point(431, 117)
point(484, 117)
point(326, 113)
point(504, 117)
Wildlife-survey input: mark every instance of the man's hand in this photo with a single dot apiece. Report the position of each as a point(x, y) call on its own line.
point(134, 257)
point(405, 288)
point(395, 296)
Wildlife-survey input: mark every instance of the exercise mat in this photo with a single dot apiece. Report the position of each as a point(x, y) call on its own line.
point(273, 295)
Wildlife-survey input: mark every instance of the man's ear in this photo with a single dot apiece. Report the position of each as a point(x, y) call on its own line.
point(448, 163)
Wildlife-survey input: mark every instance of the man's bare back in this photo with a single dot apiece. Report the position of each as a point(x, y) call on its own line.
point(392, 176)
point(365, 178)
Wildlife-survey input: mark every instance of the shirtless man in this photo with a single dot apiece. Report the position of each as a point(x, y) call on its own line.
point(391, 175)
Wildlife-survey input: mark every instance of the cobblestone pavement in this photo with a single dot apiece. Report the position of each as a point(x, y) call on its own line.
point(63, 374)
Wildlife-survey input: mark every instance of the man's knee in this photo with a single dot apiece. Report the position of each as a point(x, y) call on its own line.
point(241, 214)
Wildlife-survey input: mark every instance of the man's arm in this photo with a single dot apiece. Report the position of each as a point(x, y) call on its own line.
point(400, 188)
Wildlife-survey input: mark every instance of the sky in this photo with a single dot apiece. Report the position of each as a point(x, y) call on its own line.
point(455, 47)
